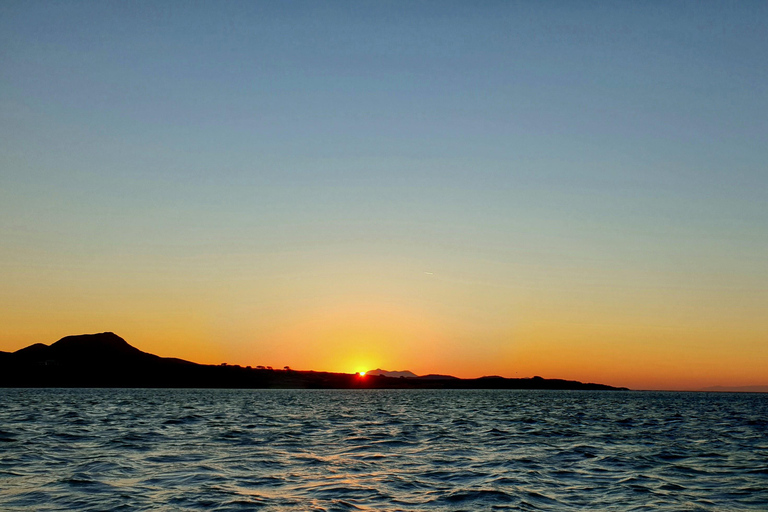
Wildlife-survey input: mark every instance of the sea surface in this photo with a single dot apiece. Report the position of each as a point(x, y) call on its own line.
point(384, 450)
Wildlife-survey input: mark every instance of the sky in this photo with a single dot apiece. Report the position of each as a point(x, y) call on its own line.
point(572, 190)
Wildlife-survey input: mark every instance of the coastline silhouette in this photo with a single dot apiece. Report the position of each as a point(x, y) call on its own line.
point(107, 360)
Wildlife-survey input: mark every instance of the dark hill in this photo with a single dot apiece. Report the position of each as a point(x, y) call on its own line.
point(107, 360)
point(105, 345)
point(32, 352)
point(88, 360)
point(104, 348)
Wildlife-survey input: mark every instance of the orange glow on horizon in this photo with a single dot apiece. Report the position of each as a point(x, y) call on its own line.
point(358, 336)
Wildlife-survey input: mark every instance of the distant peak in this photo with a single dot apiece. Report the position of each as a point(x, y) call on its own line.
point(101, 337)
point(95, 343)
point(397, 374)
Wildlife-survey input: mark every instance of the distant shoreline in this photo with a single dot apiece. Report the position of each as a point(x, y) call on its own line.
point(105, 360)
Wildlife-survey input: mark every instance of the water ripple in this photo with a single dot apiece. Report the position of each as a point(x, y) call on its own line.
point(383, 450)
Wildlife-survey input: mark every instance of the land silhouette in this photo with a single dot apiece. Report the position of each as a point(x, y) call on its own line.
point(107, 360)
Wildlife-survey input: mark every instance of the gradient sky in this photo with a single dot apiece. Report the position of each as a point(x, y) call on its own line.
point(567, 189)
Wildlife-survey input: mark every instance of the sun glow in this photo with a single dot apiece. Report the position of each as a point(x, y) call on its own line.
point(362, 374)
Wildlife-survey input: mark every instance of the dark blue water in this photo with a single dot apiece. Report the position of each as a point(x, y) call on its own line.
point(381, 450)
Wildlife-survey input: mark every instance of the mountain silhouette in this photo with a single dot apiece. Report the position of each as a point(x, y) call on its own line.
point(107, 360)
point(90, 360)
point(402, 373)
point(435, 376)
point(102, 348)
point(407, 374)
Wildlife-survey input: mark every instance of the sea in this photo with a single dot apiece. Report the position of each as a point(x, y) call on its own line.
point(382, 450)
